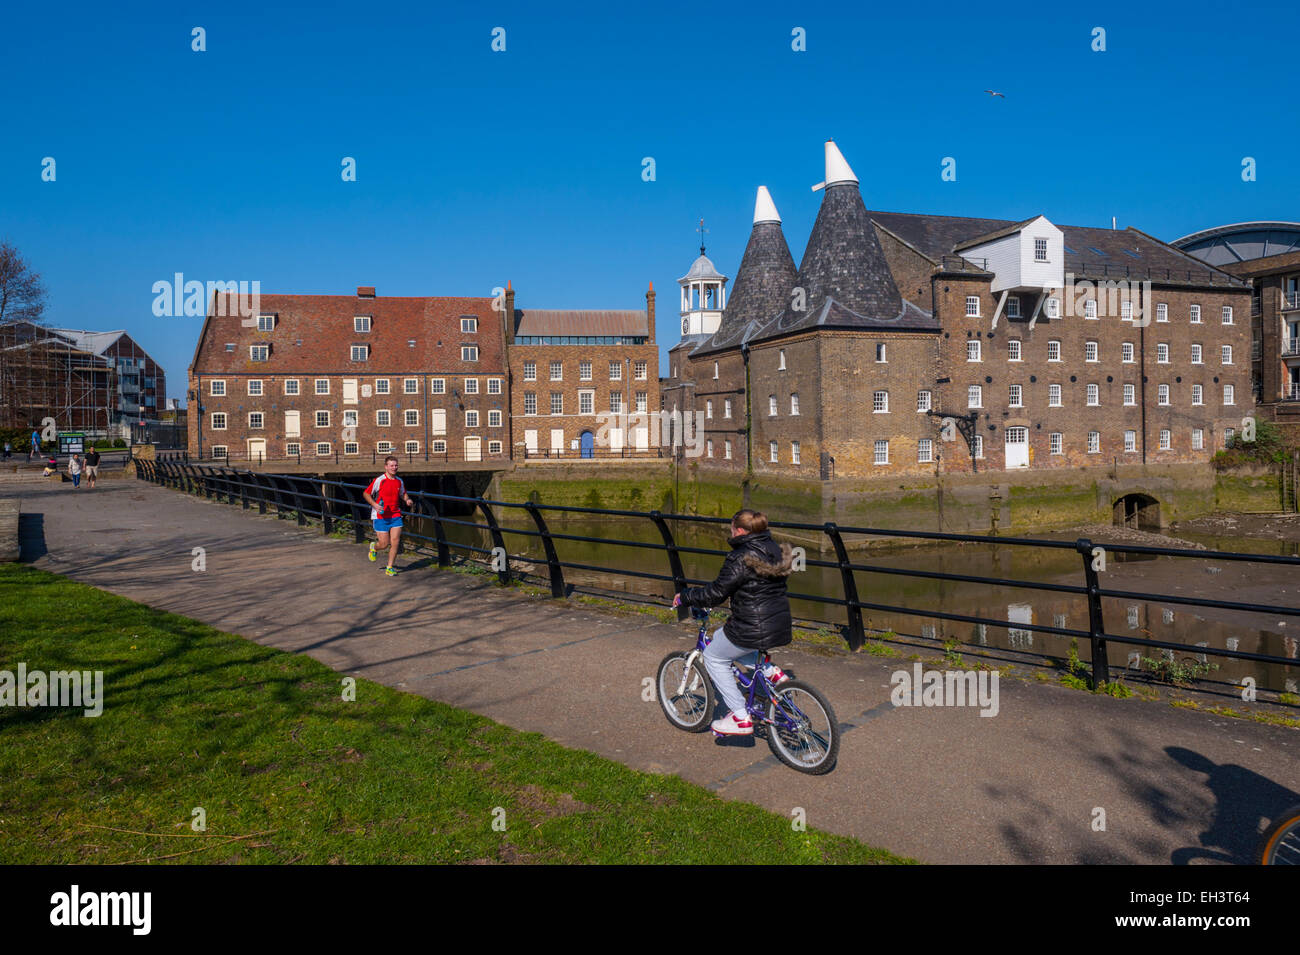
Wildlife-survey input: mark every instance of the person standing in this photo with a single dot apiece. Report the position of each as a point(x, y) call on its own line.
point(8, 450)
point(92, 467)
point(382, 494)
point(36, 445)
point(74, 469)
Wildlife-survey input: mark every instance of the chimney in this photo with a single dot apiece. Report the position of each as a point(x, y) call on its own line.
point(650, 311)
point(1113, 223)
point(509, 317)
point(365, 291)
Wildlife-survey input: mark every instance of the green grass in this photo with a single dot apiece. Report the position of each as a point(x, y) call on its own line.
point(286, 770)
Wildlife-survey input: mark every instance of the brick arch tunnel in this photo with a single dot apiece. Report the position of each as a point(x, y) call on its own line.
point(1137, 510)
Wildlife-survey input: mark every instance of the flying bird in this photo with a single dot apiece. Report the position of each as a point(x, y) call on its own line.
point(992, 93)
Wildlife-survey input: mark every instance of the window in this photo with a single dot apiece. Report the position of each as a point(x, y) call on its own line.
point(1014, 398)
point(217, 387)
point(639, 370)
point(1162, 354)
point(1162, 312)
point(1130, 441)
point(584, 371)
point(291, 386)
point(1053, 308)
point(882, 452)
point(1040, 250)
point(1196, 314)
point(1053, 396)
point(974, 397)
point(715, 371)
point(978, 446)
point(530, 371)
point(265, 323)
point(1094, 395)
point(708, 408)
point(471, 419)
point(1094, 442)
point(726, 406)
point(471, 386)
point(1013, 306)
point(1228, 434)
point(411, 417)
point(381, 386)
point(880, 352)
point(1126, 312)
point(1089, 351)
point(880, 402)
point(794, 403)
point(1054, 443)
point(1196, 354)
point(616, 370)
point(322, 449)
point(780, 361)
point(255, 420)
point(726, 449)
point(1054, 350)
point(616, 402)
point(350, 419)
point(293, 449)
point(924, 451)
point(1198, 395)
point(383, 418)
point(360, 352)
point(972, 306)
point(1126, 352)
point(557, 371)
point(530, 402)
point(322, 419)
point(1164, 440)
point(411, 447)
point(494, 418)
point(794, 452)
point(557, 402)
point(218, 421)
point(771, 405)
point(1198, 439)
point(1090, 308)
point(383, 447)
point(1226, 354)
point(641, 402)
point(494, 386)
point(973, 350)
point(1162, 394)
point(469, 353)
point(1013, 349)
point(351, 447)
point(258, 352)
point(1227, 314)
point(1130, 394)
point(255, 386)
point(923, 401)
point(1229, 395)
point(322, 386)
point(361, 323)
point(219, 451)
point(410, 386)
point(494, 447)
point(468, 326)
point(771, 452)
point(437, 447)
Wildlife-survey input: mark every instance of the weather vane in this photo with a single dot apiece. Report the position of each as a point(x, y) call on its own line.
point(701, 230)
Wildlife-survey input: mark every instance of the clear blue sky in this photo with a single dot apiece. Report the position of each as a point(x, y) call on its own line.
point(474, 167)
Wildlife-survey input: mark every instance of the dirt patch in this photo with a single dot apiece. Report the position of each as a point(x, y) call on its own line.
point(1283, 527)
point(535, 798)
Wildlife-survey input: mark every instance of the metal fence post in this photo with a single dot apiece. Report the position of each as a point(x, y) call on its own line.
point(857, 633)
point(1100, 664)
point(503, 574)
point(326, 520)
point(444, 554)
point(552, 558)
point(674, 560)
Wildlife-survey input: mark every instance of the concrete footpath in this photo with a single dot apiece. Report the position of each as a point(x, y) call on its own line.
point(942, 785)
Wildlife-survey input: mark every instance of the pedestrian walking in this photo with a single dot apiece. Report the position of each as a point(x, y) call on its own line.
point(74, 469)
point(8, 450)
point(36, 445)
point(92, 467)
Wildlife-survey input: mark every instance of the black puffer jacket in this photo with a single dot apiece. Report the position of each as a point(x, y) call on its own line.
point(753, 576)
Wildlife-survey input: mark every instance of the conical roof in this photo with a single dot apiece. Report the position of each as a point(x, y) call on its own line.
point(702, 268)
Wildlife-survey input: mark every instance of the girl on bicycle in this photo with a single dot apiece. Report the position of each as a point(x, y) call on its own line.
point(753, 576)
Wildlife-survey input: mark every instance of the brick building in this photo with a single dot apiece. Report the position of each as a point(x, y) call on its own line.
point(905, 345)
point(351, 378)
point(140, 392)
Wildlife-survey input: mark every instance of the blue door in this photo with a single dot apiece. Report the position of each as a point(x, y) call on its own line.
point(588, 444)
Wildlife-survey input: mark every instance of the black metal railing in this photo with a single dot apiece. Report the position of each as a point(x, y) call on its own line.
point(334, 503)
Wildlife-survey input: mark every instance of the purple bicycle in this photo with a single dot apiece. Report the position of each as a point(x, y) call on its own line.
point(800, 725)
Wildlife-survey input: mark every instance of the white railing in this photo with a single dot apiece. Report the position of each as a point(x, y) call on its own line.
point(1290, 300)
point(1290, 347)
point(1294, 393)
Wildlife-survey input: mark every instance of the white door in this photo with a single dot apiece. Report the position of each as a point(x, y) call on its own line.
point(616, 439)
point(530, 442)
point(1017, 447)
point(641, 437)
point(557, 441)
point(292, 429)
point(349, 391)
point(256, 450)
point(438, 421)
point(473, 449)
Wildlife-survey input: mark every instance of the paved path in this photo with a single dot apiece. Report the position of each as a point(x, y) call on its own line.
point(940, 784)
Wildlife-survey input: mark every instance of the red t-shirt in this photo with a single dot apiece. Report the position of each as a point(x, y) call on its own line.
point(388, 492)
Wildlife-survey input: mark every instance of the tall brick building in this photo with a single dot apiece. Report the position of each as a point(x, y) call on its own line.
point(912, 344)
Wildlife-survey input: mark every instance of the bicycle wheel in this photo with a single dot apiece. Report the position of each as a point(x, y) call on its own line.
point(803, 732)
point(1280, 844)
point(686, 698)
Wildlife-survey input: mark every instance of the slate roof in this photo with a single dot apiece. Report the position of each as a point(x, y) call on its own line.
point(762, 288)
point(559, 321)
point(94, 342)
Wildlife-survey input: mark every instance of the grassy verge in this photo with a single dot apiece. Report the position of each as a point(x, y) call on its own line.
point(285, 770)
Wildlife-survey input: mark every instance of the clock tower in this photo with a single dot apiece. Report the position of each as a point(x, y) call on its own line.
point(704, 295)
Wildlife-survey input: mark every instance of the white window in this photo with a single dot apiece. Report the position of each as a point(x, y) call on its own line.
point(1126, 312)
point(1162, 394)
point(771, 405)
point(1054, 443)
point(794, 452)
point(494, 447)
point(924, 451)
point(219, 451)
point(794, 404)
point(715, 371)
point(218, 421)
point(979, 446)
point(471, 419)
point(781, 356)
point(974, 397)
point(1162, 312)
point(411, 417)
point(265, 323)
point(557, 370)
point(1228, 435)
point(322, 386)
point(726, 406)
point(882, 452)
point(383, 447)
point(258, 352)
point(1090, 308)
point(1013, 306)
point(923, 401)
point(1053, 308)
point(880, 352)
point(255, 386)
point(880, 402)
point(1126, 352)
point(1053, 350)
point(639, 370)
point(469, 353)
point(468, 326)
point(584, 371)
point(411, 447)
point(1053, 396)
point(322, 419)
point(255, 419)
point(293, 449)
point(437, 447)
point(530, 371)
point(1014, 399)
point(410, 386)
point(1196, 314)
point(217, 387)
point(530, 402)
point(973, 350)
point(1226, 354)
point(1013, 349)
point(291, 386)
point(726, 449)
point(772, 452)
point(351, 447)
point(322, 449)
point(361, 323)
point(586, 402)
point(1094, 395)
point(972, 306)
point(1089, 351)
point(1227, 314)
point(1162, 354)
point(1094, 442)
point(708, 408)
point(1198, 395)
point(1130, 440)
point(383, 418)
point(1198, 439)
point(494, 419)
point(1229, 395)
point(494, 386)
point(471, 386)
point(381, 386)
point(557, 403)
point(1130, 394)
point(1164, 439)
point(1196, 354)
point(1040, 250)
point(360, 352)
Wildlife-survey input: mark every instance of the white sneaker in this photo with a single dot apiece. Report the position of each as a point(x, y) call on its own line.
point(775, 675)
point(733, 725)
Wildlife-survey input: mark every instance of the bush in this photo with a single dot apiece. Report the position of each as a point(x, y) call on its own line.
point(1268, 447)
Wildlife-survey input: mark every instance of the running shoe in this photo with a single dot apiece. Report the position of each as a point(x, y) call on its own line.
point(731, 725)
point(372, 551)
point(390, 571)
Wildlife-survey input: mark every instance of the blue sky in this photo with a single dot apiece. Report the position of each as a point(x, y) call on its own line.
point(474, 166)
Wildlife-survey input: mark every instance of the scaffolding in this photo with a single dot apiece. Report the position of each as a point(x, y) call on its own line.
point(43, 375)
